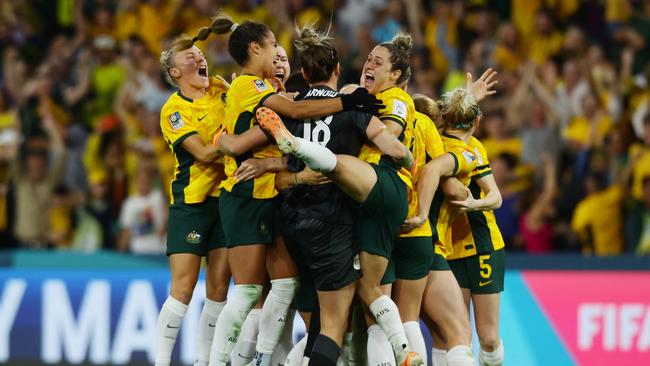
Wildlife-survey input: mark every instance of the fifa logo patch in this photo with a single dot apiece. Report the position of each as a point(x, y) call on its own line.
point(469, 157)
point(399, 108)
point(193, 237)
point(260, 85)
point(176, 121)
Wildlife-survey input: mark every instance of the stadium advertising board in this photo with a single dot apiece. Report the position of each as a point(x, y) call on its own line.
point(109, 316)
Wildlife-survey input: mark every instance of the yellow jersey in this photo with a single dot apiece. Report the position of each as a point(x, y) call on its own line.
point(597, 221)
point(246, 93)
point(441, 213)
point(427, 145)
point(476, 232)
point(182, 117)
point(400, 109)
point(640, 168)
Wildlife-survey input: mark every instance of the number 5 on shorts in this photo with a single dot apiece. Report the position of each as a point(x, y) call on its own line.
point(486, 269)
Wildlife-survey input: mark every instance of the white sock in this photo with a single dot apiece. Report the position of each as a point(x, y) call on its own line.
point(438, 357)
point(494, 358)
point(387, 316)
point(244, 350)
point(316, 156)
point(460, 356)
point(297, 353)
point(240, 303)
point(286, 341)
point(207, 323)
point(273, 318)
point(346, 350)
point(169, 322)
point(378, 350)
point(415, 338)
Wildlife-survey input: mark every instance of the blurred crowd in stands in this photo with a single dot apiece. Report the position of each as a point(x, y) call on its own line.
point(83, 164)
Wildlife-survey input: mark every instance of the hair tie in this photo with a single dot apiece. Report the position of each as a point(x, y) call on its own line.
point(233, 27)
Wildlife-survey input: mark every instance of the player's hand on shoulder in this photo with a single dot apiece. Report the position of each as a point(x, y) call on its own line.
point(361, 100)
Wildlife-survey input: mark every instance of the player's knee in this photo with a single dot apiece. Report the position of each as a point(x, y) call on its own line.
point(216, 291)
point(489, 341)
point(182, 293)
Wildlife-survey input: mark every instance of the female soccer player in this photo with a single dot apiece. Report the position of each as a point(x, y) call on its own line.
point(478, 257)
point(248, 208)
point(460, 115)
point(321, 217)
point(414, 249)
point(374, 184)
point(188, 120)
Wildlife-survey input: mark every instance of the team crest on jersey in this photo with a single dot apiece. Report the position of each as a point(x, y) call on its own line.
point(176, 121)
point(260, 85)
point(469, 157)
point(399, 108)
point(193, 237)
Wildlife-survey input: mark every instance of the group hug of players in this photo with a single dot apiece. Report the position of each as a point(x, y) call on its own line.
point(353, 205)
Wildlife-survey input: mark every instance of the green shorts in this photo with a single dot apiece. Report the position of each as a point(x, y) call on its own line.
point(195, 228)
point(439, 263)
point(389, 275)
point(481, 273)
point(247, 220)
point(413, 257)
point(379, 218)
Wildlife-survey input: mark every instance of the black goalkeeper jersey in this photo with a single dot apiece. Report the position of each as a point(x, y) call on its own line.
point(342, 133)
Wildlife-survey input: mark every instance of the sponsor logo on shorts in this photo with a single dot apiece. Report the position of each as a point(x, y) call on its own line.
point(356, 263)
point(263, 229)
point(481, 284)
point(193, 237)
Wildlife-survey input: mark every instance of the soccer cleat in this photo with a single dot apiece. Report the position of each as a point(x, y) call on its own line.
point(412, 359)
point(271, 123)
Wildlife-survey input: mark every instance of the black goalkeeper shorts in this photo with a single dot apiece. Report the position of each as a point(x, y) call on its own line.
point(327, 249)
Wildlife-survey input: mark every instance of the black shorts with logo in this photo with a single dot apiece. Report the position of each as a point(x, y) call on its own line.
point(327, 249)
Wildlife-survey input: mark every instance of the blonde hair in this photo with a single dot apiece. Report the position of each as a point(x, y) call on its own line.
point(426, 105)
point(459, 109)
point(180, 43)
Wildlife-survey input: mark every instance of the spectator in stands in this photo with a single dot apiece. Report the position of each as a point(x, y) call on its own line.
point(503, 169)
point(143, 218)
point(598, 218)
point(537, 210)
point(638, 222)
point(34, 181)
point(98, 205)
